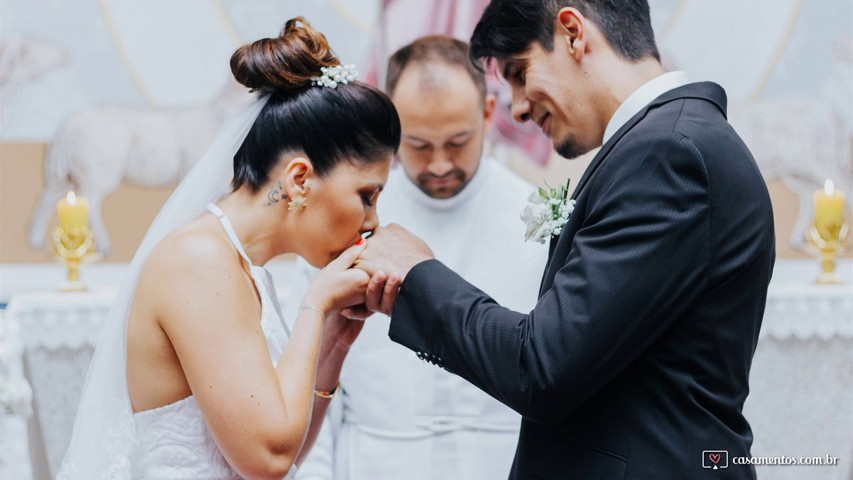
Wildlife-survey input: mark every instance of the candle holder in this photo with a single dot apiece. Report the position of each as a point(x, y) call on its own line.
point(829, 238)
point(71, 246)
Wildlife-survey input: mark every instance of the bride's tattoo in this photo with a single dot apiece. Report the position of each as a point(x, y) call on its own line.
point(275, 194)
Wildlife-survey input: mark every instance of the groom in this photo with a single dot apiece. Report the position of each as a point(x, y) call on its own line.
point(635, 361)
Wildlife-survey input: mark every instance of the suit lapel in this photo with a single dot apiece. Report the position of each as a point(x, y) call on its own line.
point(560, 245)
point(556, 257)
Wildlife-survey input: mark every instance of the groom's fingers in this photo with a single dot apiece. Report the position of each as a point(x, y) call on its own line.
point(373, 294)
point(363, 262)
point(389, 294)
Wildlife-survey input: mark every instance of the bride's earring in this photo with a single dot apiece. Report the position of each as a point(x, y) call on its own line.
point(297, 203)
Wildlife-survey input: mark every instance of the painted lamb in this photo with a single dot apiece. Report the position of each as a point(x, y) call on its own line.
point(98, 148)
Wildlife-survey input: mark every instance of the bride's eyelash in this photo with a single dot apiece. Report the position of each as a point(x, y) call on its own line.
point(370, 197)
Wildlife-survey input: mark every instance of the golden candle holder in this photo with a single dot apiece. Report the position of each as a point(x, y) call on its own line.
point(72, 245)
point(830, 239)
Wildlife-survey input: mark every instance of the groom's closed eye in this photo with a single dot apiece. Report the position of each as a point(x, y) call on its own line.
point(514, 70)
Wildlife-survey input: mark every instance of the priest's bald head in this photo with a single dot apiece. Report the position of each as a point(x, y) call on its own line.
point(444, 113)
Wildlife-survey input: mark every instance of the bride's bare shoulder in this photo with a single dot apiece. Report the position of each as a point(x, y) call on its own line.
point(196, 249)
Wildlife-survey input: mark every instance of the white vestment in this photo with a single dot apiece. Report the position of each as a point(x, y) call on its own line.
point(399, 417)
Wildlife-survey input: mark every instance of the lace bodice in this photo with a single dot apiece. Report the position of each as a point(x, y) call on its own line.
point(174, 442)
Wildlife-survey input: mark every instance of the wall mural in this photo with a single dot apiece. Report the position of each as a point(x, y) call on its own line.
point(117, 88)
point(786, 66)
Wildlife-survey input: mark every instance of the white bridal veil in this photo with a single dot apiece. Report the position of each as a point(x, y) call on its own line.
point(104, 437)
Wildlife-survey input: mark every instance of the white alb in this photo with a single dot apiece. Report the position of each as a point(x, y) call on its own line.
point(399, 417)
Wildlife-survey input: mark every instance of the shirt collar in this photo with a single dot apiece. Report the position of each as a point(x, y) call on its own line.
point(642, 97)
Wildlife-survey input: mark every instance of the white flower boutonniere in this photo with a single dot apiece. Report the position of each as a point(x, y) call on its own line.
point(547, 212)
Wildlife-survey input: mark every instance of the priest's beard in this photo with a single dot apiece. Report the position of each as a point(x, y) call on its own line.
point(569, 147)
point(456, 181)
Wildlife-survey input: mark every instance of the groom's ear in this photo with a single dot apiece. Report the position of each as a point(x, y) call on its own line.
point(571, 23)
point(295, 173)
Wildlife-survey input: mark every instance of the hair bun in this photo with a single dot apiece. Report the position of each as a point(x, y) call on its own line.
point(286, 62)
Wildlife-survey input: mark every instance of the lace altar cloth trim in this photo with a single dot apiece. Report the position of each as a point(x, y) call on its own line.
point(58, 320)
point(808, 314)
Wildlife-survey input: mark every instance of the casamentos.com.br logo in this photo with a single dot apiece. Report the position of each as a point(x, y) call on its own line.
point(719, 459)
point(715, 459)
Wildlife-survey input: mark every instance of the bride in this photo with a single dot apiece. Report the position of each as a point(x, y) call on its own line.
point(196, 374)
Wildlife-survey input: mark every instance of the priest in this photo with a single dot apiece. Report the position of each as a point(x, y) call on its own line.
point(398, 417)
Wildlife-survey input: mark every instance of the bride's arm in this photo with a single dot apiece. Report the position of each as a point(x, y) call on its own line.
point(339, 334)
point(258, 415)
point(328, 372)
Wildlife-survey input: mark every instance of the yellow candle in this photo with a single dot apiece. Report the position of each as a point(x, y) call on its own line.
point(828, 205)
point(73, 211)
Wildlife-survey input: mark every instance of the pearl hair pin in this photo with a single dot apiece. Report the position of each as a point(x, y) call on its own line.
point(332, 76)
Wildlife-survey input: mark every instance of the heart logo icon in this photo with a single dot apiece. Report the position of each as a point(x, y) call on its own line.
point(714, 457)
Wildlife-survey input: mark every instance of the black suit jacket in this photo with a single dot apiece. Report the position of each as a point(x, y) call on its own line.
point(636, 358)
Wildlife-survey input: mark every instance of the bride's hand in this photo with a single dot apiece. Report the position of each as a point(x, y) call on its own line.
point(343, 327)
point(337, 285)
point(341, 331)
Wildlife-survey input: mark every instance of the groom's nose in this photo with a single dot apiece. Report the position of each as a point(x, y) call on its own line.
point(520, 105)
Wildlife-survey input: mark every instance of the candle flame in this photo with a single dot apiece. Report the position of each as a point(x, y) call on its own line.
point(828, 187)
point(71, 198)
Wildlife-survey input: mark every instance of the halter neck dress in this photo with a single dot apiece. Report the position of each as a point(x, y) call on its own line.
point(174, 442)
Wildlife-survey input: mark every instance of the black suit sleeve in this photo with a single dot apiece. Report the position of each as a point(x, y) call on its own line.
point(637, 261)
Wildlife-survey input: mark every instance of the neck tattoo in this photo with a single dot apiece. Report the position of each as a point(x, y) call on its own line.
point(275, 194)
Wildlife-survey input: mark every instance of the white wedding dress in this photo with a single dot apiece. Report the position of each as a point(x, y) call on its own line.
point(174, 442)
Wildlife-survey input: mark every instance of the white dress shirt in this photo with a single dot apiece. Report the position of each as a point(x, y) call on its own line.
point(642, 97)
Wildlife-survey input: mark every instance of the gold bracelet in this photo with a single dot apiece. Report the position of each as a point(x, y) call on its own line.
point(328, 395)
point(311, 307)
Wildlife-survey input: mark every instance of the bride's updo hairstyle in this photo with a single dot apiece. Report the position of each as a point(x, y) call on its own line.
point(353, 121)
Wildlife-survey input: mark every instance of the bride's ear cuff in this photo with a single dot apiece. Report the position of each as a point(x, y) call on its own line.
point(297, 202)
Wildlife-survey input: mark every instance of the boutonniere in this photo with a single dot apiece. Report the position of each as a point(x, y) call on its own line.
point(549, 209)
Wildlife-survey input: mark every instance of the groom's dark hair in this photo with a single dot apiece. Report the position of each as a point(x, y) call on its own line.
point(509, 27)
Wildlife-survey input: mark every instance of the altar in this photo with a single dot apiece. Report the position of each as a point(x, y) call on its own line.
point(800, 404)
point(801, 382)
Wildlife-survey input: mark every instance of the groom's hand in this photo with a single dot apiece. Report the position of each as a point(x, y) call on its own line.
point(390, 253)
